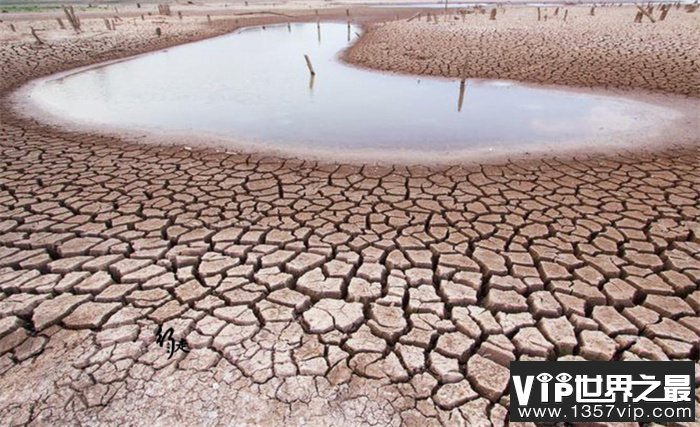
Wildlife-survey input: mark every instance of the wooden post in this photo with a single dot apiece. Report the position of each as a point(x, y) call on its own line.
point(60, 24)
point(38, 40)
point(209, 19)
point(179, 15)
point(664, 12)
point(593, 11)
point(645, 13)
point(417, 15)
point(158, 32)
point(72, 19)
point(107, 23)
point(461, 95)
point(289, 27)
point(493, 14)
point(539, 14)
point(12, 27)
point(309, 66)
point(566, 13)
point(638, 18)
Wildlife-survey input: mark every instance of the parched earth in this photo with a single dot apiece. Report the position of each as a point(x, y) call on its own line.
point(604, 50)
point(314, 293)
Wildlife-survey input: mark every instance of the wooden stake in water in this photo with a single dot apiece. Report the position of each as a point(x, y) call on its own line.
point(309, 66)
point(461, 95)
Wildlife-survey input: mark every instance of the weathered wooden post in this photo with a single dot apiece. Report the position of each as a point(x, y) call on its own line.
point(12, 27)
point(461, 95)
point(60, 24)
point(72, 19)
point(539, 14)
point(107, 24)
point(158, 32)
point(38, 40)
point(493, 14)
point(647, 14)
point(593, 11)
point(309, 66)
point(566, 13)
point(209, 19)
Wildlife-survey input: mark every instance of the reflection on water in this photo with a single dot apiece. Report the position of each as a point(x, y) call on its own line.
point(254, 86)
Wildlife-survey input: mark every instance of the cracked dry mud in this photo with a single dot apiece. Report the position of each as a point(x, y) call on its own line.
point(604, 50)
point(317, 293)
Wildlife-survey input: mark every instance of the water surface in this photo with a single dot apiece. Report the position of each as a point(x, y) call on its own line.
point(253, 87)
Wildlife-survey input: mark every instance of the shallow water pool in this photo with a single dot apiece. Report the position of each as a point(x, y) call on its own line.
point(253, 89)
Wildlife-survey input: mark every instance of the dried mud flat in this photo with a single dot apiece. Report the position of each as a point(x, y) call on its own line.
point(315, 293)
point(604, 50)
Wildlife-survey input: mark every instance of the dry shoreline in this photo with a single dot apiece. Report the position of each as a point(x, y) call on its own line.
point(317, 293)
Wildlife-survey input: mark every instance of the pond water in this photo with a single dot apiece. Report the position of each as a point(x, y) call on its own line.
point(253, 89)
